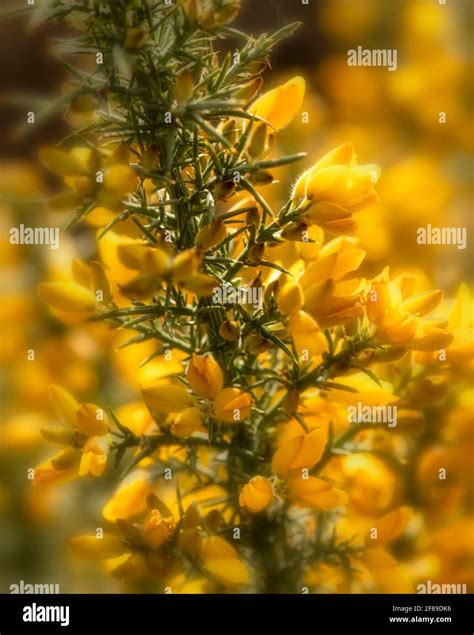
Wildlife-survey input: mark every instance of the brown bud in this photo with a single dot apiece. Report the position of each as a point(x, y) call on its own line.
point(261, 177)
point(256, 252)
point(151, 157)
point(135, 38)
point(252, 217)
point(230, 130)
point(184, 87)
point(192, 517)
point(190, 541)
point(255, 344)
point(247, 91)
point(272, 291)
point(224, 190)
point(291, 402)
point(258, 141)
point(214, 520)
point(295, 231)
point(229, 331)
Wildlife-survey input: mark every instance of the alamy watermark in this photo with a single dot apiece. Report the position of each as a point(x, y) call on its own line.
point(373, 57)
point(35, 236)
point(372, 414)
point(26, 588)
point(437, 589)
point(227, 294)
point(430, 235)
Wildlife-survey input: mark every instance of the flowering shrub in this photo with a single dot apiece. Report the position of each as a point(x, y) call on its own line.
point(241, 469)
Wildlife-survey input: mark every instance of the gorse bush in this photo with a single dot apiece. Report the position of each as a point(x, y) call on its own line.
point(278, 372)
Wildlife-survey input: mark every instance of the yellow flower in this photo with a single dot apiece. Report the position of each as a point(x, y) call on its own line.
point(156, 530)
point(205, 376)
point(104, 175)
point(398, 314)
point(90, 420)
point(185, 264)
point(211, 235)
point(299, 449)
point(232, 405)
point(221, 560)
point(313, 492)
point(337, 185)
point(65, 405)
point(67, 297)
point(280, 105)
point(388, 527)
point(94, 457)
point(187, 422)
point(130, 498)
point(85, 448)
point(291, 298)
point(331, 296)
point(120, 180)
point(54, 471)
point(166, 397)
point(256, 494)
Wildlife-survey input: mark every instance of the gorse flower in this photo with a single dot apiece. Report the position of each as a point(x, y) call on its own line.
point(239, 465)
point(83, 437)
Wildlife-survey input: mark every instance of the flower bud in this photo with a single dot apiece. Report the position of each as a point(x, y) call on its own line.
point(261, 177)
point(211, 235)
point(184, 87)
point(135, 38)
point(224, 190)
point(205, 376)
point(295, 231)
point(256, 253)
point(247, 91)
point(190, 541)
point(252, 217)
point(229, 331)
point(151, 157)
point(256, 494)
point(255, 344)
point(258, 141)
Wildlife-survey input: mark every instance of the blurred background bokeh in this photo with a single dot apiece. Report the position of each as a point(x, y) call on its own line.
point(393, 119)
